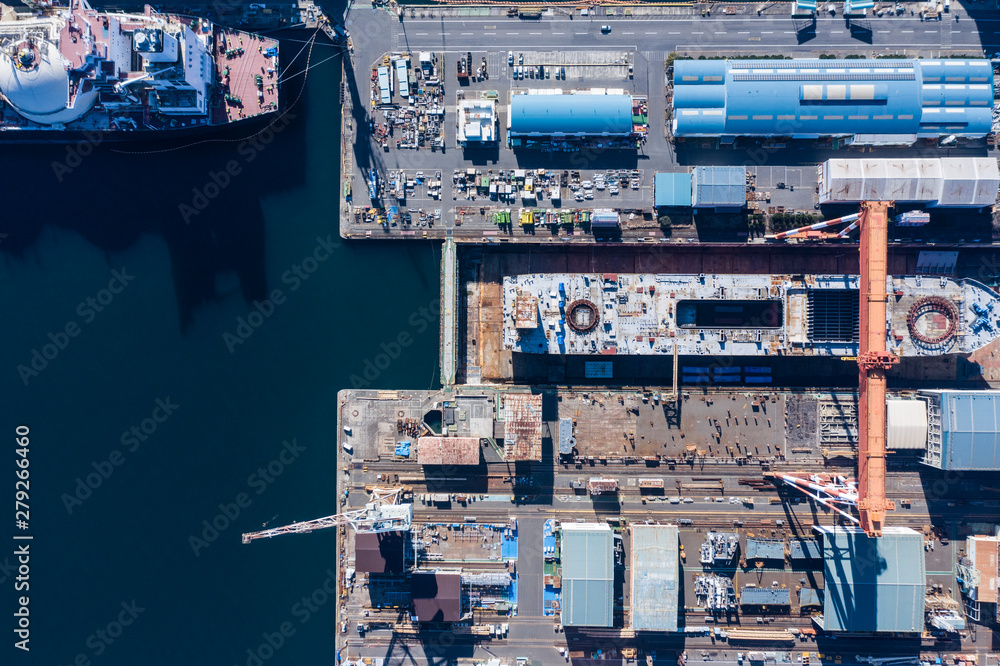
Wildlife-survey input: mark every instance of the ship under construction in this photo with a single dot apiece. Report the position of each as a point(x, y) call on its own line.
point(745, 315)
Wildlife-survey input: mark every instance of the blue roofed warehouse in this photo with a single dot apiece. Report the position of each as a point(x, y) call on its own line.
point(579, 114)
point(963, 429)
point(873, 101)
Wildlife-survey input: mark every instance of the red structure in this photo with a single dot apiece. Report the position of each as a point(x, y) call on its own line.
point(873, 361)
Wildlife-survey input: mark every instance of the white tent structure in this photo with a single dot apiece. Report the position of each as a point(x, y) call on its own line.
point(950, 182)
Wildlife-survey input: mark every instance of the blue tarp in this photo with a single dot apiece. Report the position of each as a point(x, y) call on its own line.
point(403, 448)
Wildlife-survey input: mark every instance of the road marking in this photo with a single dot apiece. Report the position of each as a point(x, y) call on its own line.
point(767, 32)
point(650, 33)
point(581, 33)
point(422, 34)
point(489, 33)
point(722, 33)
point(884, 32)
point(693, 33)
point(908, 31)
point(534, 33)
point(673, 33)
point(930, 30)
point(743, 32)
point(513, 33)
point(558, 33)
point(789, 32)
point(468, 33)
point(836, 32)
point(628, 33)
point(445, 33)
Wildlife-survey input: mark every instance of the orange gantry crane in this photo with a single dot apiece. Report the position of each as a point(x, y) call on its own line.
point(868, 495)
point(873, 361)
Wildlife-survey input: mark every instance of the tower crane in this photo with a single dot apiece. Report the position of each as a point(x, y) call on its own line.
point(868, 494)
point(383, 513)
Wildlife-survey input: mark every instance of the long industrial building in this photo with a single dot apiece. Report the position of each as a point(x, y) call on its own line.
point(954, 182)
point(654, 577)
point(873, 585)
point(580, 114)
point(587, 575)
point(871, 102)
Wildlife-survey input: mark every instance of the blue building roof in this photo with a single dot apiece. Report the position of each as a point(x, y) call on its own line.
point(570, 115)
point(720, 186)
point(765, 596)
point(968, 437)
point(873, 584)
point(810, 597)
point(765, 549)
point(672, 189)
point(805, 549)
point(812, 98)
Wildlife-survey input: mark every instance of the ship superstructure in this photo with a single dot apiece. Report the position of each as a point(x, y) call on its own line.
point(78, 69)
point(747, 315)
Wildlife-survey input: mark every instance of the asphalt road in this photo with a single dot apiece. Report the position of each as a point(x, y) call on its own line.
point(751, 34)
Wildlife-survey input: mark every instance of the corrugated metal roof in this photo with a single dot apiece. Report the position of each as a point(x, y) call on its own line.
point(873, 584)
point(949, 181)
point(720, 186)
point(522, 426)
point(578, 114)
point(672, 189)
point(805, 549)
point(448, 450)
point(436, 597)
point(654, 577)
point(587, 575)
point(566, 440)
point(810, 597)
point(983, 553)
point(906, 424)
point(765, 549)
point(969, 430)
point(833, 97)
point(378, 553)
point(765, 596)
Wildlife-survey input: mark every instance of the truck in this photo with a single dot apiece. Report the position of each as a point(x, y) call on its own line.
point(530, 12)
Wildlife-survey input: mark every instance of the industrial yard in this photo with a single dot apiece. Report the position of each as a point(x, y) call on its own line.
point(718, 340)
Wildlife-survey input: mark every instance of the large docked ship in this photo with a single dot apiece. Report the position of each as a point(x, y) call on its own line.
point(743, 315)
point(67, 71)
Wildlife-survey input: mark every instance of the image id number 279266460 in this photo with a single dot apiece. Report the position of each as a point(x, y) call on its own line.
point(22, 516)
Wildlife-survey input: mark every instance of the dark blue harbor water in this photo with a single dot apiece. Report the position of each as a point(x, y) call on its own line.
point(168, 412)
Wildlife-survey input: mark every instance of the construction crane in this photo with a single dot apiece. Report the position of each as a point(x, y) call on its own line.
point(383, 513)
point(868, 495)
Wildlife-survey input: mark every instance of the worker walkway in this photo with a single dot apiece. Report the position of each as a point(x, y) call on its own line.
point(449, 313)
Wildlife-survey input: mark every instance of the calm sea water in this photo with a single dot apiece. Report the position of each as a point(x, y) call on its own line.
point(150, 404)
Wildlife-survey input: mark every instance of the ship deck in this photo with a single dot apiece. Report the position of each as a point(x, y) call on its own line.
point(243, 68)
